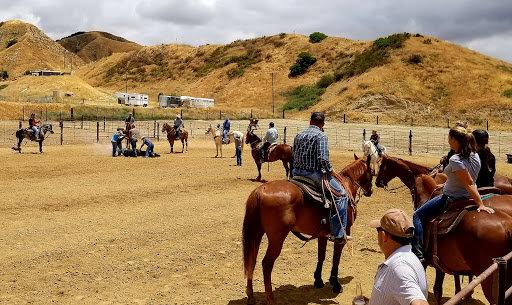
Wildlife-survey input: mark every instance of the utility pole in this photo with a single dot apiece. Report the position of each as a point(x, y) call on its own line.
point(272, 73)
point(64, 52)
point(71, 70)
point(126, 79)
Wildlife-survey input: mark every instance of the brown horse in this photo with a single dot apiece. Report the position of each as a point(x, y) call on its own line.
point(281, 152)
point(278, 207)
point(479, 237)
point(171, 136)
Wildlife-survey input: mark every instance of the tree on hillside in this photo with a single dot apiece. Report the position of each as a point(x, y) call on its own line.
point(4, 75)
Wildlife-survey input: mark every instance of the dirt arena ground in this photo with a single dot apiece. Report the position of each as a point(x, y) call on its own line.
point(81, 227)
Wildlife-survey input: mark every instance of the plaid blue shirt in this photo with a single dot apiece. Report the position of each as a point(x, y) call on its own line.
point(311, 151)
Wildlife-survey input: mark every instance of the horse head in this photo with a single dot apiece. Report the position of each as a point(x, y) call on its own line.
point(253, 124)
point(365, 181)
point(386, 172)
point(47, 128)
point(164, 127)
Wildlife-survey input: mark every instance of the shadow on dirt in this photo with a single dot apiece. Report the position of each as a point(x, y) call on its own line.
point(303, 295)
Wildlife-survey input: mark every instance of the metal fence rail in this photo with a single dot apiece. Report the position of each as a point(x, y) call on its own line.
point(396, 139)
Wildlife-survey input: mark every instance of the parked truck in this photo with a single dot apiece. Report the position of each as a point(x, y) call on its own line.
point(169, 101)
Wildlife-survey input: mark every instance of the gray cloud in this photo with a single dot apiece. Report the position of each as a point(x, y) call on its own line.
point(482, 26)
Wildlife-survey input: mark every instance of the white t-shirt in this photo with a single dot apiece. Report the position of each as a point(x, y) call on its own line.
point(453, 186)
point(400, 279)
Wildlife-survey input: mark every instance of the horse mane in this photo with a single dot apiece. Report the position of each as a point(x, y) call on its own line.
point(354, 167)
point(415, 168)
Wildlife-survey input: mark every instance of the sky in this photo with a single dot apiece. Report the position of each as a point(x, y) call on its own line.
point(483, 26)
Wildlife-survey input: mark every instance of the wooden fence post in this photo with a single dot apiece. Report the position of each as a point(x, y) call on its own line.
point(158, 131)
point(61, 132)
point(104, 123)
point(41, 113)
point(71, 114)
point(284, 140)
point(20, 124)
point(154, 129)
point(499, 282)
point(82, 123)
point(220, 115)
point(410, 142)
point(46, 114)
point(283, 113)
point(23, 114)
point(487, 125)
point(60, 116)
point(447, 123)
point(344, 119)
point(251, 113)
point(97, 132)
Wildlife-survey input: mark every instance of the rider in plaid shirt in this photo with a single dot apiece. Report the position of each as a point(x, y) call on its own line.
point(311, 160)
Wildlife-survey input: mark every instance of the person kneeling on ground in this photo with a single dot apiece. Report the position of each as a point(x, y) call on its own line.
point(149, 144)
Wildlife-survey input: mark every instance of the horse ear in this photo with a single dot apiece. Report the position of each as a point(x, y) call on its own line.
point(355, 157)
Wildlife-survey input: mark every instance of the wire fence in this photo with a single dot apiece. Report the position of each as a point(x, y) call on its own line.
point(397, 139)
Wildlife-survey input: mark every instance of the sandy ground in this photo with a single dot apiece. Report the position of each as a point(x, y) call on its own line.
point(80, 227)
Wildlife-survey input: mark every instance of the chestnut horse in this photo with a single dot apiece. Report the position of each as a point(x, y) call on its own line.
point(278, 207)
point(479, 237)
point(171, 136)
point(281, 152)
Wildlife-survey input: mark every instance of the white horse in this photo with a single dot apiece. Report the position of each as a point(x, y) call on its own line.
point(370, 149)
point(217, 138)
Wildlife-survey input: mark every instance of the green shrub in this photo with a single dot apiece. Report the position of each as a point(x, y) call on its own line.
point(463, 111)
point(3, 86)
point(27, 72)
point(372, 56)
point(12, 42)
point(427, 41)
point(303, 97)
point(317, 37)
point(325, 81)
point(282, 35)
point(342, 90)
point(303, 62)
point(414, 59)
point(243, 62)
point(3, 74)
point(508, 93)
point(363, 86)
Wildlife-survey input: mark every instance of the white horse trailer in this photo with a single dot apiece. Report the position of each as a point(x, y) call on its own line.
point(197, 102)
point(169, 101)
point(132, 99)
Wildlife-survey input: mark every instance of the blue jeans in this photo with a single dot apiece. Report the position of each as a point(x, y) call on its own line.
point(225, 132)
point(341, 202)
point(422, 216)
point(378, 147)
point(239, 155)
point(36, 131)
point(149, 148)
point(114, 148)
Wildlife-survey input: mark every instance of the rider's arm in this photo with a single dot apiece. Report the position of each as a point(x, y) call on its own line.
point(323, 156)
point(465, 178)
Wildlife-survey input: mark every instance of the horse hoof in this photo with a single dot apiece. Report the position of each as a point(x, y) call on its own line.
point(336, 286)
point(319, 283)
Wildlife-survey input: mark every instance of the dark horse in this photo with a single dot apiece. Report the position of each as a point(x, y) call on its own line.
point(471, 246)
point(281, 152)
point(278, 207)
point(29, 134)
point(171, 136)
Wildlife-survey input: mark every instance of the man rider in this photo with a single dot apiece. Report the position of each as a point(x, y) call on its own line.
point(178, 123)
point(311, 160)
point(226, 126)
point(32, 124)
point(130, 119)
point(269, 139)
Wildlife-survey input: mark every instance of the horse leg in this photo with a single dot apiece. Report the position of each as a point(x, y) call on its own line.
point(259, 171)
point(250, 264)
point(322, 246)
point(19, 144)
point(275, 244)
point(438, 286)
point(186, 145)
point(41, 146)
point(285, 164)
point(182, 146)
point(172, 147)
point(333, 279)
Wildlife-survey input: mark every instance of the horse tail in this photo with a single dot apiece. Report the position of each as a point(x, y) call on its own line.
point(252, 232)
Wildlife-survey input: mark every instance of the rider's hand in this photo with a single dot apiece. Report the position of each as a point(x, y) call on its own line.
point(486, 209)
point(439, 187)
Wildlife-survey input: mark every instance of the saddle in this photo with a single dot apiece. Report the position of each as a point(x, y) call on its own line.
point(449, 220)
point(312, 191)
point(269, 151)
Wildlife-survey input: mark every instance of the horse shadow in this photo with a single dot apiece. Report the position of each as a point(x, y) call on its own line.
point(256, 180)
point(303, 295)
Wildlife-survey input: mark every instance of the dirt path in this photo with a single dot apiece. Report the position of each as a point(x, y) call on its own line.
point(80, 227)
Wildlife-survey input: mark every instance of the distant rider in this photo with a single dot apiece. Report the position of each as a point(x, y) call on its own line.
point(178, 123)
point(129, 120)
point(32, 124)
point(269, 139)
point(226, 126)
point(375, 138)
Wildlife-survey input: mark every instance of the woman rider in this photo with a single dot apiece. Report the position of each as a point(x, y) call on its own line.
point(462, 171)
point(487, 159)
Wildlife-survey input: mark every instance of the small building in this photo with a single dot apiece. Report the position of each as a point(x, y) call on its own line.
point(45, 73)
point(197, 102)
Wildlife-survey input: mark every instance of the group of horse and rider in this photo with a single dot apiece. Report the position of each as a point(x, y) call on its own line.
point(465, 185)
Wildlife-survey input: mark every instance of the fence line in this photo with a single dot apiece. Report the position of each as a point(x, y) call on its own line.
point(396, 139)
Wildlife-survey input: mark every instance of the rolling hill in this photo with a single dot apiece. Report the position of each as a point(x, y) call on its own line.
point(92, 46)
point(398, 77)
